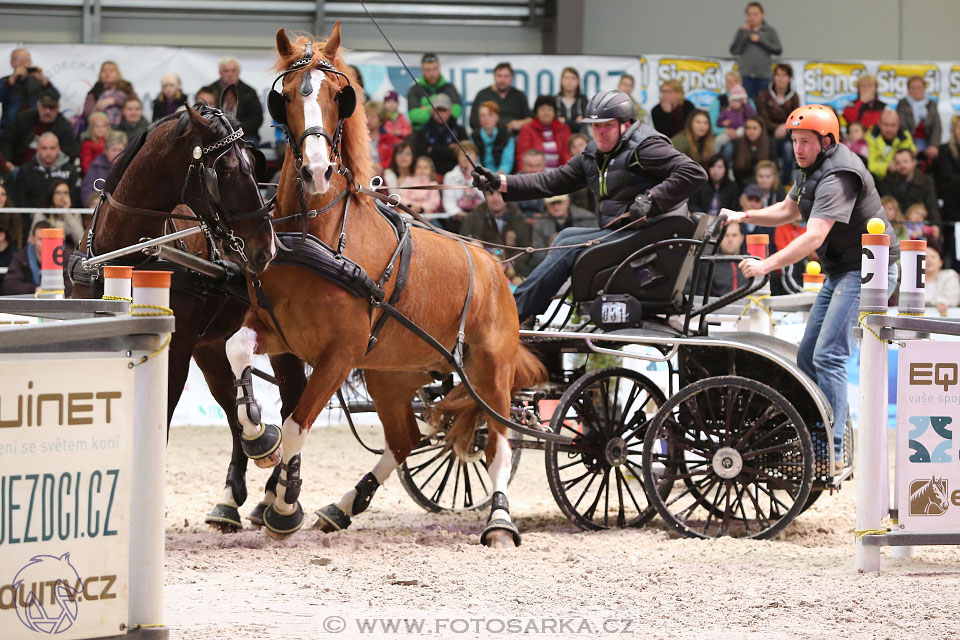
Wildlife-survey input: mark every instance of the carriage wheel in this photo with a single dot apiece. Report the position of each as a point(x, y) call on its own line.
point(438, 481)
point(597, 481)
point(736, 458)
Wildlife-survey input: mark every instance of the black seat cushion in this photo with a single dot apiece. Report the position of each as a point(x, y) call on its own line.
point(656, 279)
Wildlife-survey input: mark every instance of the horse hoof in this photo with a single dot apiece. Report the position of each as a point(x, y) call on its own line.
point(332, 519)
point(263, 448)
point(281, 526)
point(500, 534)
point(256, 516)
point(224, 518)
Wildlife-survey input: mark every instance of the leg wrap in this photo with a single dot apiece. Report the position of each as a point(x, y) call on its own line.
point(224, 515)
point(263, 444)
point(293, 481)
point(367, 486)
point(283, 524)
point(245, 383)
point(237, 482)
point(499, 502)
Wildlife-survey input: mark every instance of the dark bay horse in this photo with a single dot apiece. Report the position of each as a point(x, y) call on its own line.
point(154, 173)
point(329, 328)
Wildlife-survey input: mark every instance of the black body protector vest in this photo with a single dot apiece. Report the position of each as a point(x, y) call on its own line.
point(840, 252)
point(616, 177)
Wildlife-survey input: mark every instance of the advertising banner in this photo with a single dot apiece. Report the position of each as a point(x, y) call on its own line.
point(928, 411)
point(65, 463)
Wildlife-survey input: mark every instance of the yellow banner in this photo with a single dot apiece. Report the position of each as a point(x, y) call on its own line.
point(892, 79)
point(831, 83)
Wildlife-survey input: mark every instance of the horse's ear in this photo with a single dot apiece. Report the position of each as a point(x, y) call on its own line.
point(283, 43)
point(333, 42)
point(228, 101)
point(197, 121)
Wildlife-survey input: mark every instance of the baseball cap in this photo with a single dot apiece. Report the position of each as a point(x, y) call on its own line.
point(49, 98)
point(753, 191)
point(558, 198)
point(442, 101)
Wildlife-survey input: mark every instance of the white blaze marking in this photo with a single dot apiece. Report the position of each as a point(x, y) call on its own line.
point(315, 150)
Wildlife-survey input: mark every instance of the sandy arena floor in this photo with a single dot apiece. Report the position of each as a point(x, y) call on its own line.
point(399, 562)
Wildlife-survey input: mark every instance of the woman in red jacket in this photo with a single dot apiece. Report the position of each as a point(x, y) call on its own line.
point(545, 133)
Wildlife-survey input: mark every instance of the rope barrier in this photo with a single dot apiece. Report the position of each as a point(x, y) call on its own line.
point(756, 300)
point(121, 298)
point(864, 314)
point(862, 533)
point(157, 311)
point(41, 292)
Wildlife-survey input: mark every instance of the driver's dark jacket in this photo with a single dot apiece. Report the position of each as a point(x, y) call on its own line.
point(644, 161)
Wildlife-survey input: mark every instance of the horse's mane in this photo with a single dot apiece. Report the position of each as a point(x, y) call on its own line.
point(355, 145)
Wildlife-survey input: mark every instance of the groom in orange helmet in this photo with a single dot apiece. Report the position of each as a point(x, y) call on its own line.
point(835, 195)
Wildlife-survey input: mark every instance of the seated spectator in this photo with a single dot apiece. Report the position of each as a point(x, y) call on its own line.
point(116, 141)
point(50, 164)
point(106, 96)
point(207, 97)
point(514, 109)
point(582, 198)
point(457, 201)
point(856, 139)
point(394, 122)
point(11, 221)
point(422, 200)
point(909, 186)
point(133, 123)
point(434, 139)
point(895, 216)
point(733, 119)
point(401, 166)
point(774, 104)
point(867, 108)
point(750, 149)
point(883, 141)
point(249, 109)
point(915, 223)
point(23, 274)
point(942, 285)
point(512, 230)
point(94, 139)
point(753, 45)
point(947, 173)
point(545, 133)
point(6, 250)
point(382, 143)
point(20, 140)
point(431, 84)
point(696, 139)
point(750, 200)
point(571, 103)
point(20, 90)
point(718, 192)
point(919, 115)
point(670, 114)
point(727, 276)
point(59, 196)
point(495, 145)
point(533, 161)
point(561, 213)
point(766, 177)
point(731, 79)
point(171, 96)
point(627, 84)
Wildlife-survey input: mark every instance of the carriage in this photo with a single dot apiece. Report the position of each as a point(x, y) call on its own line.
point(733, 438)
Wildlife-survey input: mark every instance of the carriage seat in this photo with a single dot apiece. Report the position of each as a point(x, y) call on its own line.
point(656, 279)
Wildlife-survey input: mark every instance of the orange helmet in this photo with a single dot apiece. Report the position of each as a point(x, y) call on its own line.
point(818, 118)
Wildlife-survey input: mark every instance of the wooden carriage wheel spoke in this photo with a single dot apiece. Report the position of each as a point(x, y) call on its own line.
point(626, 485)
point(420, 467)
point(793, 445)
point(764, 522)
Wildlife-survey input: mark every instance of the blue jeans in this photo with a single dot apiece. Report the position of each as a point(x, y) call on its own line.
point(828, 342)
point(534, 294)
point(754, 86)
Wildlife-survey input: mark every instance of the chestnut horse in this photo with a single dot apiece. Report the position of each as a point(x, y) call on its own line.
point(152, 174)
point(329, 328)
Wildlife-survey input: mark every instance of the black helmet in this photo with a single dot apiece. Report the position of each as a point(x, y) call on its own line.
point(610, 105)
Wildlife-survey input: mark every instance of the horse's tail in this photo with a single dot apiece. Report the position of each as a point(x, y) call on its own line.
point(464, 414)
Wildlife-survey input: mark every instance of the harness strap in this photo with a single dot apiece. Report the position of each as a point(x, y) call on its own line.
point(458, 347)
point(137, 211)
point(264, 302)
point(405, 251)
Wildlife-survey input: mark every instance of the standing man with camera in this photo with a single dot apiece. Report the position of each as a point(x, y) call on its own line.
point(19, 90)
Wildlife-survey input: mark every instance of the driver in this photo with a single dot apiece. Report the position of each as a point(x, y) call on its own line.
point(633, 170)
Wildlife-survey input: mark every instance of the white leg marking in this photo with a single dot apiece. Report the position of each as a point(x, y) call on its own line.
point(315, 150)
point(227, 497)
point(293, 441)
point(499, 471)
point(240, 348)
point(382, 470)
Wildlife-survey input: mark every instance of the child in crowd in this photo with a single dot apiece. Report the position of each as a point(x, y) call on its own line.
point(734, 115)
point(895, 216)
point(401, 166)
point(856, 139)
point(171, 96)
point(421, 200)
point(916, 223)
point(457, 201)
point(767, 177)
point(132, 123)
point(394, 122)
point(93, 140)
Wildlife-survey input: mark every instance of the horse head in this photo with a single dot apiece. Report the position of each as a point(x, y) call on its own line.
point(939, 488)
point(222, 187)
point(314, 99)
